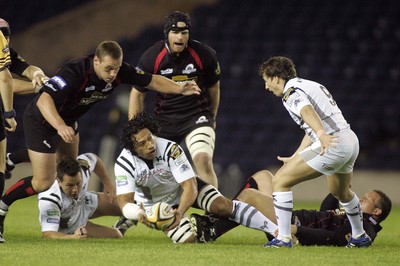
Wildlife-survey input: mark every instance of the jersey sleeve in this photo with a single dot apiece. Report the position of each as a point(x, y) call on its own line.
point(5, 57)
point(294, 100)
point(49, 212)
point(18, 64)
point(124, 171)
point(87, 161)
point(179, 164)
point(135, 76)
point(212, 69)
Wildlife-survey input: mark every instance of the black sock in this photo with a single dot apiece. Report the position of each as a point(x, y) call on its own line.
point(20, 190)
point(20, 156)
point(2, 181)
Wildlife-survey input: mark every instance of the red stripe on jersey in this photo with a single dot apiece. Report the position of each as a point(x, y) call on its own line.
point(160, 56)
point(196, 57)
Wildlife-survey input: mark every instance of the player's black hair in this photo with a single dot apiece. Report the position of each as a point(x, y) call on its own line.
point(133, 126)
point(171, 22)
point(278, 66)
point(385, 204)
point(68, 166)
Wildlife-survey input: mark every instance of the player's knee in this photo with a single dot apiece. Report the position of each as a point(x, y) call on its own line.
point(222, 207)
point(204, 161)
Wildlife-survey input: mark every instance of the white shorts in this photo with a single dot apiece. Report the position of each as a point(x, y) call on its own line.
point(339, 160)
point(201, 139)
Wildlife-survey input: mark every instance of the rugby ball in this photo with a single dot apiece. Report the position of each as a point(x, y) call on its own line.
point(160, 215)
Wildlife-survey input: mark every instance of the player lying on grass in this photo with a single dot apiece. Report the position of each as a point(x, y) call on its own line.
point(152, 169)
point(327, 227)
point(65, 208)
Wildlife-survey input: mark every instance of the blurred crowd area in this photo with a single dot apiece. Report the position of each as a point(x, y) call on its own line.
point(352, 47)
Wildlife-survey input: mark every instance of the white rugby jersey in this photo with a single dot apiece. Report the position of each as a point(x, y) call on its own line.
point(299, 92)
point(57, 211)
point(157, 180)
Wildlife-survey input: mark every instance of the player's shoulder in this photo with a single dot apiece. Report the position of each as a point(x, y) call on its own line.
point(202, 47)
point(153, 51)
point(53, 194)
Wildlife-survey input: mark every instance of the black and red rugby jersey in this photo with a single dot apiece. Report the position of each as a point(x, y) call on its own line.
point(197, 62)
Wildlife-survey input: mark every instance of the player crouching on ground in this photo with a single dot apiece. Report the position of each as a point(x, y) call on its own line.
point(152, 169)
point(67, 206)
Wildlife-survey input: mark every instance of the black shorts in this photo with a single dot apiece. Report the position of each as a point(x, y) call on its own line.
point(177, 131)
point(41, 137)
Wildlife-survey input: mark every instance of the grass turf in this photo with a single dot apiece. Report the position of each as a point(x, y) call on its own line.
point(143, 246)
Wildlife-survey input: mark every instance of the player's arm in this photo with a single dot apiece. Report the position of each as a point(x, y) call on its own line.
point(7, 97)
point(80, 233)
point(214, 92)
point(165, 85)
point(136, 102)
point(101, 172)
point(48, 109)
point(188, 197)
point(36, 75)
point(312, 119)
point(130, 209)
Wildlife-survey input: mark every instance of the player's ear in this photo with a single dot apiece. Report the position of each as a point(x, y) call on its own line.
point(377, 211)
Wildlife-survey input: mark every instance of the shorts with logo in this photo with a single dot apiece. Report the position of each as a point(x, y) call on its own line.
point(339, 159)
point(41, 137)
point(197, 133)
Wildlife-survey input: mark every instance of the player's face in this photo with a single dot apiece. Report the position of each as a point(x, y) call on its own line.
point(107, 68)
point(274, 85)
point(71, 185)
point(178, 40)
point(369, 202)
point(145, 145)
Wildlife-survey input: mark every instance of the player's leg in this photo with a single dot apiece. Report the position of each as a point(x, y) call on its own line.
point(68, 150)
point(200, 143)
point(211, 200)
point(291, 173)
point(101, 231)
point(182, 233)
point(3, 144)
point(105, 207)
point(257, 191)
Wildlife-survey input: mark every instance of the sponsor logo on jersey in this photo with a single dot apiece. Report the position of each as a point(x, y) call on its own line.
point(90, 88)
point(53, 220)
point(166, 71)
point(6, 50)
point(59, 81)
point(201, 119)
point(49, 85)
point(95, 97)
point(189, 69)
point(121, 180)
point(53, 212)
point(175, 151)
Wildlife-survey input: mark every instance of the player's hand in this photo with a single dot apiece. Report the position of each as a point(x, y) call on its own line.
point(177, 221)
point(67, 133)
point(81, 232)
point(39, 79)
point(12, 124)
point(327, 141)
point(142, 216)
point(189, 88)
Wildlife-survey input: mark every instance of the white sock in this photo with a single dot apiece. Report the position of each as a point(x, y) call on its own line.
point(249, 216)
point(354, 214)
point(283, 205)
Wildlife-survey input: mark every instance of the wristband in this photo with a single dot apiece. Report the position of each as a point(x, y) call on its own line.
point(10, 114)
point(320, 132)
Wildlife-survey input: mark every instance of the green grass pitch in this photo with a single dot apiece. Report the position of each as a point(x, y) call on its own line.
point(143, 246)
